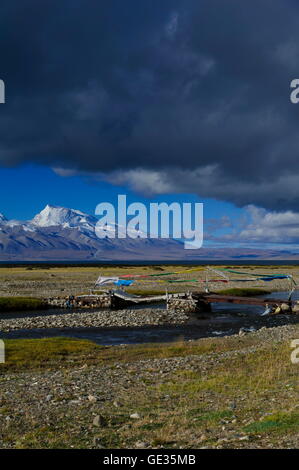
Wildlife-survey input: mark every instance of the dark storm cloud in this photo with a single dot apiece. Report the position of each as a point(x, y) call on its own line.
point(164, 96)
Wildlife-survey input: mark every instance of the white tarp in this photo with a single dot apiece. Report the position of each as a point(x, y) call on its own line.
point(102, 280)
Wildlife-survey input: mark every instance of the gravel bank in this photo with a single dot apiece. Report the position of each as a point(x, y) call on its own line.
point(85, 404)
point(119, 318)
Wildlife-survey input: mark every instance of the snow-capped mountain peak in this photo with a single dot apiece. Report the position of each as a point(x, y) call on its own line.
point(2, 218)
point(61, 216)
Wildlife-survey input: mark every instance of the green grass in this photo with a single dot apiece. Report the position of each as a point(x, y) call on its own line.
point(276, 422)
point(187, 407)
point(24, 354)
point(8, 304)
point(244, 292)
point(211, 417)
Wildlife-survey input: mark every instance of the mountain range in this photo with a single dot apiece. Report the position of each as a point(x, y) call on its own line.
point(61, 234)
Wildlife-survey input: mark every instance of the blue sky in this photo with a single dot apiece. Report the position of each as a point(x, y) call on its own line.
point(25, 190)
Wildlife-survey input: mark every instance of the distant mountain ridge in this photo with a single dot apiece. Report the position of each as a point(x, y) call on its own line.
point(59, 233)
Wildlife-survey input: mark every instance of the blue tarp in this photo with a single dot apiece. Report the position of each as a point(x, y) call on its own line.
point(123, 282)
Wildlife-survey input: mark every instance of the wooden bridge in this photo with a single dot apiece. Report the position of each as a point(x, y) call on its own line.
point(231, 299)
point(121, 299)
point(183, 301)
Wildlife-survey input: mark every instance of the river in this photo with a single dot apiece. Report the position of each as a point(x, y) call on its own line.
point(226, 319)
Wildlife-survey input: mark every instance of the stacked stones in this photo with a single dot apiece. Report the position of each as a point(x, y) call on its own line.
point(181, 305)
point(285, 308)
point(58, 302)
point(92, 301)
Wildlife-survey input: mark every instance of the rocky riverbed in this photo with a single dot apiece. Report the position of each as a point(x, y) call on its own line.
point(96, 319)
point(149, 325)
point(223, 380)
point(90, 404)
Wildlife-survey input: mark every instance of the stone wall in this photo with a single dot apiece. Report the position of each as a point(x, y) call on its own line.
point(187, 305)
point(88, 301)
